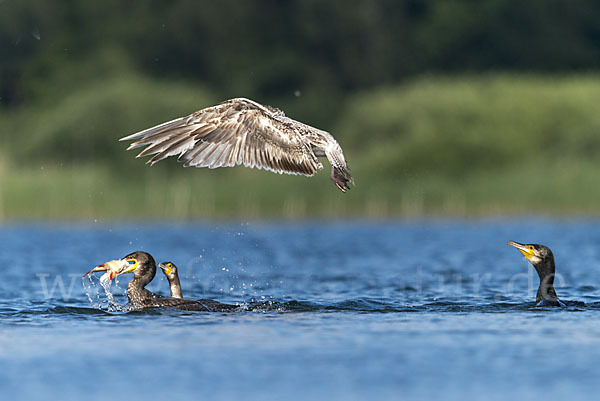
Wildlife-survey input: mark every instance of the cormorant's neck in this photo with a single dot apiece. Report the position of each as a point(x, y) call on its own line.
point(175, 287)
point(140, 281)
point(135, 289)
point(546, 270)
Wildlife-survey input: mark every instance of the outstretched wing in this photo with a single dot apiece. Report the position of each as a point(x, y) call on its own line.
point(237, 131)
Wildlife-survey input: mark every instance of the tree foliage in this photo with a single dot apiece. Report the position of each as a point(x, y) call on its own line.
point(272, 49)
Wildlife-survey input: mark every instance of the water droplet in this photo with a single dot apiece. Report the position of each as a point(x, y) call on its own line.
point(297, 93)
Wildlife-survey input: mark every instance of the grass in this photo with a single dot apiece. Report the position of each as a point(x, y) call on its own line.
point(96, 193)
point(448, 146)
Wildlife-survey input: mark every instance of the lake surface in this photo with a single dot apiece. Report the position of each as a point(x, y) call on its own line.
point(349, 311)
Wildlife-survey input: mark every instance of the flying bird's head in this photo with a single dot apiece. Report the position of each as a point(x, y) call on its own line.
point(340, 177)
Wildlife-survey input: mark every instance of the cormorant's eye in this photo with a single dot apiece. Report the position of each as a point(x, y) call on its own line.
point(131, 261)
point(530, 248)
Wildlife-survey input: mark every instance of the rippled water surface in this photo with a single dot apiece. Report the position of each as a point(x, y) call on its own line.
point(347, 311)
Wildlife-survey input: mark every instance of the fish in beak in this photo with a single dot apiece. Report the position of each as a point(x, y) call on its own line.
point(112, 268)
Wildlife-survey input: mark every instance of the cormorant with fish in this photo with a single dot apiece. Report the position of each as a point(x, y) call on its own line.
point(143, 267)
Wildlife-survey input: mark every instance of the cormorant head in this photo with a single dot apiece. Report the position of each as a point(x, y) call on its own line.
point(141, 264)
point(535, 253)
point(169, 269)
point(540, 256)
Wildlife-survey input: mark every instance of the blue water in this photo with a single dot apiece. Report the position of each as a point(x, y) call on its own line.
point(349, 311)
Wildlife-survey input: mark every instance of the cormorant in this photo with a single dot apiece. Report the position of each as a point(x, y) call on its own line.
point(143, 267)
point(242, 131)
point(542, 259)
point(171, 272)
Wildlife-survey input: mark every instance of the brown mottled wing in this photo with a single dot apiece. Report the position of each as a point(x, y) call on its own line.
point(235, 132)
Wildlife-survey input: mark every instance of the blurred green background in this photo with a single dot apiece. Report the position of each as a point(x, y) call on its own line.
point(443, 108)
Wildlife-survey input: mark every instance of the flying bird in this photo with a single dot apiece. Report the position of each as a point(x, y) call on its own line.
point(242, 131)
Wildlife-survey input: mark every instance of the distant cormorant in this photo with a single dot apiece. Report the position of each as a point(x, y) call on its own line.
point(171, 272)
point(242, 131)
point(542, 259)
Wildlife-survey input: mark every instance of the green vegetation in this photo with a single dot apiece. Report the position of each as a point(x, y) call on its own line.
point(268, 49)
point(457, 108)
point(452, 146)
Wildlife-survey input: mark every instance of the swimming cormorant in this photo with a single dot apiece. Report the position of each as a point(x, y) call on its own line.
point(143, 267)
point(542, 259)
point(171, 272)
point(242, 131)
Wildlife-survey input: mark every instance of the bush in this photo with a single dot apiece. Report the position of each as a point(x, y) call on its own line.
point(454, 126)
point(85, 126)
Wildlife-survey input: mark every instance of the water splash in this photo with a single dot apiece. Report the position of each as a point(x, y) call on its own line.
point(91, 291)
point(106, 283)
point(98, 301)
